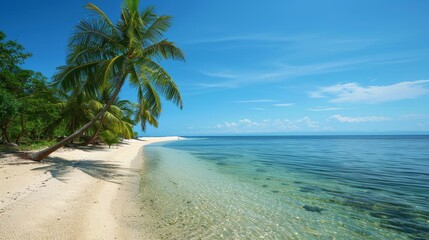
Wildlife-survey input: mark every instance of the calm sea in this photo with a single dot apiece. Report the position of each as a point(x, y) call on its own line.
point(306, 187)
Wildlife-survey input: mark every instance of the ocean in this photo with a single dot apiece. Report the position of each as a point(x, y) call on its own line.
point(287, 187)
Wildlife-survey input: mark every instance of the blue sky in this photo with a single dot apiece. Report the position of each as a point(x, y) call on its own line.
point(269, 67)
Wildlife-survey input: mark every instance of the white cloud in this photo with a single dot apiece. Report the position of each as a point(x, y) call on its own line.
point(258, 109)
point(283, 104)
point(353, 93)
point(268, 125)
point(345, 119)
point(308, 122)
point(247, 123)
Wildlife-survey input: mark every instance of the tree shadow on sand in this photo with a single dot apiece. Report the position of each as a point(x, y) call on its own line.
point(99, 147)
point(59, 167)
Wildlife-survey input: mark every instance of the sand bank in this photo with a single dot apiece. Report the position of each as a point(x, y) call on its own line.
point(74, 194)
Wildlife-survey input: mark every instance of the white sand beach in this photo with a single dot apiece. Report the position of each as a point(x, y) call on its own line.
point(74, 194)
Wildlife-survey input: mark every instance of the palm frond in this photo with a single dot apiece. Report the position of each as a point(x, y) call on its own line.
point(163, 50)
point(102, 15)
point(73, 76)
point(95, 34)
point(148, 16)
point(102, 55)
point(147, 113)
point(155, 28)
point(162, 81)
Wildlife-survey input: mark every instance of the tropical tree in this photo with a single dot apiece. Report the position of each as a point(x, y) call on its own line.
point(103, 54)
point(26, 100)
point(12, 54)
point(109, 137)
point(77, 109)
point(38, 101)
point(114, 119)
point(9, 107)
point(147, 113)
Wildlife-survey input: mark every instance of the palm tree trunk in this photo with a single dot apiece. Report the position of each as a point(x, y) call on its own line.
point(38, 156)
point(96, 133)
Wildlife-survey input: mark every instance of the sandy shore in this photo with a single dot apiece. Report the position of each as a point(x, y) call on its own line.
point(74, 194)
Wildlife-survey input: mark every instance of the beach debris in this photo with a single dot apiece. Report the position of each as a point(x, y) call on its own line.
point(313, 209)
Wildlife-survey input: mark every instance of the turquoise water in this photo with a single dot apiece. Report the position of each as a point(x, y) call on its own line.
point(330, 187)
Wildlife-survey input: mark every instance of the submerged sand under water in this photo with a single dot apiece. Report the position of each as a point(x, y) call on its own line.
point(212, 195)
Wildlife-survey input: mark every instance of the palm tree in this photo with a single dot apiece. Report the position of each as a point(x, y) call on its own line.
point(75, 112)
point(78, 109)
point(114, 119)
point(103, 54)
point(146, 113)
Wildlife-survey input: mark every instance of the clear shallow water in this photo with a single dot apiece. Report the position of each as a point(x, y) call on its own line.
point(348, 187)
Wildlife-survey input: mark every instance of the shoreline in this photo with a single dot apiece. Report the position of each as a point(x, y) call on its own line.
point(74, 194)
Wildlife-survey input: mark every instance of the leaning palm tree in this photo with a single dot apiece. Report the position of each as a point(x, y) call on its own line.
point(103, 54)
point(79, 109)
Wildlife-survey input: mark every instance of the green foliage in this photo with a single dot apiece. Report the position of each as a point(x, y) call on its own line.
point(109, 137)
point(103, 54)
point(9, 106)
point(27, 102)
point(102, 57)
point(81, 108)
point(35, 145)
point(11, 54)
point(28, 146)
point(147, 113)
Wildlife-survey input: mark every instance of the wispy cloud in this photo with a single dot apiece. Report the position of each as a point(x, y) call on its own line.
point(251, 37)
point(283, 104)
point(345, 119)
point(268, 125)
point(256, 101)
point(258, 109)
point(413, 116)
point(354, 93)
point(302, 42)
point(282, 72)
point(220, 74)
point(323, 109)
point(217, 85)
